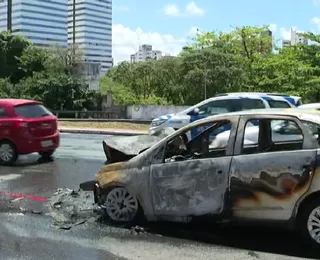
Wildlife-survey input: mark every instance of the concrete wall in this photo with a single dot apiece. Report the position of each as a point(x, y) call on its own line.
point(150, 112)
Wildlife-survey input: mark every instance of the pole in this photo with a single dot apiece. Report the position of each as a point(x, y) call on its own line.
point(74, 22)
point(9, 15)
point(205, 82)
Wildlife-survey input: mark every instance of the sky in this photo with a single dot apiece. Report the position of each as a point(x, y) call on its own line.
point(169, 25)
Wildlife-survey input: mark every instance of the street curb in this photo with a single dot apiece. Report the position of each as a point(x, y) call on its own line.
point(130, 121)
point(100, 132)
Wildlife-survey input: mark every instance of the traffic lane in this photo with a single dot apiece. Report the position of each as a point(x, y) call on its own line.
point(77, 160)
point(30, 236)
point(255, 239)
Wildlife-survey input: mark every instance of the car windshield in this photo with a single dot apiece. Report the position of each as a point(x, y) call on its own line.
point(32, 111)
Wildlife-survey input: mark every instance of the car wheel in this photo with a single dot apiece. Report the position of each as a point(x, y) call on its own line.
point(8, 153)
point(46, 154)
point(309, 224)
point(120, 206)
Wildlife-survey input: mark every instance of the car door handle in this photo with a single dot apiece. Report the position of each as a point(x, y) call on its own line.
point(219, 172)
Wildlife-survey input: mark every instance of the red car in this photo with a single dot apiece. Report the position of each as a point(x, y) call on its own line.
point(26, 126)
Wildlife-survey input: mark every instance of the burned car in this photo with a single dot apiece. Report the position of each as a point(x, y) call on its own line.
point(266, 179)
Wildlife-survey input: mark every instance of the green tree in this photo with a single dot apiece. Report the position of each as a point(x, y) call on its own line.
point(11, 49)
point(56, 90)
point(33, 59)
point(6, 89)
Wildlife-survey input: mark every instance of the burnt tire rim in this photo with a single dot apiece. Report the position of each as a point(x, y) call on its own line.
point(314, 224)
point(6, 152)
point(120, 205)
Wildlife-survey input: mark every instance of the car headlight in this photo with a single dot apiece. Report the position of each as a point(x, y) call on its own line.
point(158, 122)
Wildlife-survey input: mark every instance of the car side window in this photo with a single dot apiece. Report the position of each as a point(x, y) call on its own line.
point(2, 112)
point(204, 145)
point(250, 103)
point(278, 104)
point(215, 107)
point(271, 135)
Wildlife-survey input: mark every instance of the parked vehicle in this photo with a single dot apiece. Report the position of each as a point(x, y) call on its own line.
point(225, 103)
point(26, 126)
point(311, 106)
point(264, 180)
point(294, 100)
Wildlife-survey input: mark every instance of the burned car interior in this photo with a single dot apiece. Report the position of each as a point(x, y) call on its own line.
point(181, 148)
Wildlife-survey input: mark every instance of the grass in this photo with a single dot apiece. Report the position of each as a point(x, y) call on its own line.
point(105, 125)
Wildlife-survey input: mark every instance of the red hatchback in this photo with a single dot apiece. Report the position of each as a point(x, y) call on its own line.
point(26, 126)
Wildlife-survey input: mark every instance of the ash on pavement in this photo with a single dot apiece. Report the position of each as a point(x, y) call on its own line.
point(70, 208)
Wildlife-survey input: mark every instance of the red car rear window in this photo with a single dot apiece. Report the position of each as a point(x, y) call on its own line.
point(32, 111)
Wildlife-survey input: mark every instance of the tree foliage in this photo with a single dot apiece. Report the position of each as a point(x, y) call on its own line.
point(244, 59)
point(50, 75)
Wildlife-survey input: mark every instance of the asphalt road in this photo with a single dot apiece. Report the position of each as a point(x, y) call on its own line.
point(26, 231)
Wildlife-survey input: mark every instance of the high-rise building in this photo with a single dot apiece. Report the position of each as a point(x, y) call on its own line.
point(144, 53)
point(90, 29)
point(42, 22)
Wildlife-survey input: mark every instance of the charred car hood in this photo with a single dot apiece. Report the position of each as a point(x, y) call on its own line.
point(119, 148)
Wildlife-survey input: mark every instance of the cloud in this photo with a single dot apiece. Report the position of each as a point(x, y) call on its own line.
point(273, 27)
point(121, 8)
point(126, 42)
point(171, 10)
point(193, 31)
point(316, 2)
point(191, 9)
point(316, 21)
point(286, 32)
point(194, 10)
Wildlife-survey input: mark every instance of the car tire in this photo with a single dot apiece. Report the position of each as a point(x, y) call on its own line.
point(46, 154)
point(128, 211)
point(8, 153)
point(309, 224)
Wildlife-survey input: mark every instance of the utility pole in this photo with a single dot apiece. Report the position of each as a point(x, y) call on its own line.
point(74, 22)
point(205, 83)
point(9, 15)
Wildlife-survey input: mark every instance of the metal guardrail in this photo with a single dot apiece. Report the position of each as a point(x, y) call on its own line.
point(133, 121)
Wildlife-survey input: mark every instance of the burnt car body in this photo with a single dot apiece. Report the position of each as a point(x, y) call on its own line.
point(265, 181)
point(118, 149)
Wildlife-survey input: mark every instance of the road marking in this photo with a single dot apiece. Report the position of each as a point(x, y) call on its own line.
point(8, 177)
point(28, 197)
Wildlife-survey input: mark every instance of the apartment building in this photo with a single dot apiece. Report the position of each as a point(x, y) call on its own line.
point(294, 39)
point(90, 28)
point(42, 22)
point(144, 53)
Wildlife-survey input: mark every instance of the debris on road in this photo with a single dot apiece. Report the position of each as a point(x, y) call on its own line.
point(253, 254)
point(16, 200)
point(70, 208)
point(136, 230)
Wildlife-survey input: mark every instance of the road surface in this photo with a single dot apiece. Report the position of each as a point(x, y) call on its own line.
point(26, 231)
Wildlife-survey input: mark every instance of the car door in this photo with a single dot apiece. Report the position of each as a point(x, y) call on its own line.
point(268, 178)
point(4, 124)
point(194, 185)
